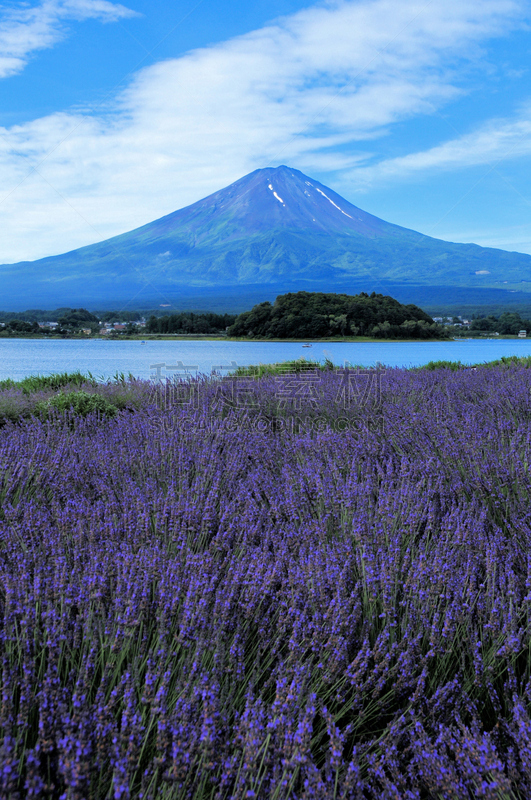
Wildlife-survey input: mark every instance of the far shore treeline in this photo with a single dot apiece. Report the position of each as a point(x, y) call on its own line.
point(300, 315)
point(190, 322)
point(314, 315)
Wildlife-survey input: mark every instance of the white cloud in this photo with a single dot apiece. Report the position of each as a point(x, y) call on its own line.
point(509, 237)
point(25, 30)
point(292, 92)
point(493, 141)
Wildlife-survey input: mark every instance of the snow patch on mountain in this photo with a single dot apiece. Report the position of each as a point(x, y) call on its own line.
point(331, 201)
point(276, 195)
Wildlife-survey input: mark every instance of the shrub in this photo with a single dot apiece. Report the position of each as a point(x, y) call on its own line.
point(82, 403)
point(454, 366)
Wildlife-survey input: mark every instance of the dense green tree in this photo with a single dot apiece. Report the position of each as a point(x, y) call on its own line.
point(22, 326)
point(487, 324)
point(312, 315)
point(77, 318)
point(190, 322)
point(510, 322)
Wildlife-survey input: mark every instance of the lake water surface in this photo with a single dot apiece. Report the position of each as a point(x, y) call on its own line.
point(22, 357)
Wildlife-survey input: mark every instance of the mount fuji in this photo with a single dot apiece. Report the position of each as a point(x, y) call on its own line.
point(274, 230)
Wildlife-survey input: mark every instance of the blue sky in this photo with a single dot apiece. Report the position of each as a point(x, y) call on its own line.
point(112, 115)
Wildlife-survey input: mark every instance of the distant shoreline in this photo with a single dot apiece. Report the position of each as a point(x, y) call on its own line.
point(190, 337)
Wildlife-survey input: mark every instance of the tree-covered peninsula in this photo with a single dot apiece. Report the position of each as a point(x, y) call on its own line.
point(313, 315)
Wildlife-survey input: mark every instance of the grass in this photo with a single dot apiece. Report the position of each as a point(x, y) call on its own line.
point(39, 383)
point(455, 366)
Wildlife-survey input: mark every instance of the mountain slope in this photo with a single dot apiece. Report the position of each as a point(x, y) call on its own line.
point(275, 228)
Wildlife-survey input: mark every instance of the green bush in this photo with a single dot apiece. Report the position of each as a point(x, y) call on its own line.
point(510, 361)
point(454, 366)
point(82, 403)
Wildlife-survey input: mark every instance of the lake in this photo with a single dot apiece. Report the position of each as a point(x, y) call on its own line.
point(22, 357)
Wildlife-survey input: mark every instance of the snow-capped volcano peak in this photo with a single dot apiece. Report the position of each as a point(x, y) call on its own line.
point(283, 197)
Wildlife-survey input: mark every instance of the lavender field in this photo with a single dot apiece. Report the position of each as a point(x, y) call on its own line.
point(251, 588)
